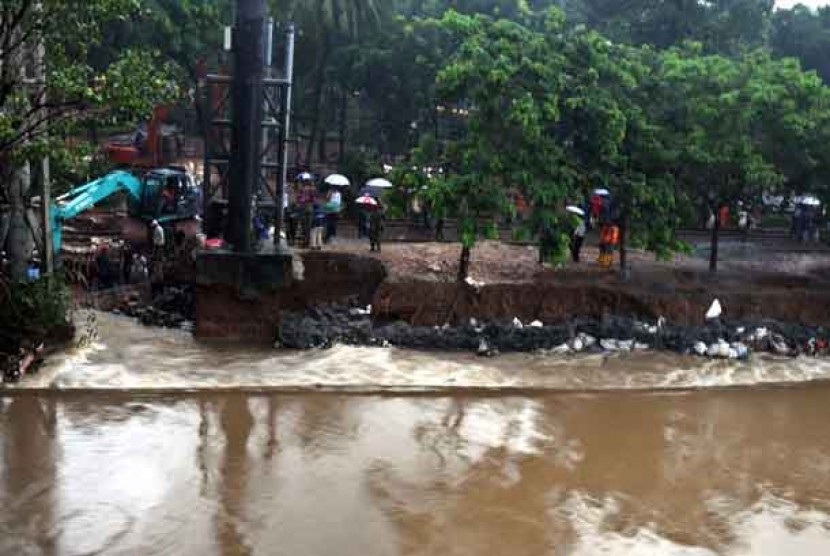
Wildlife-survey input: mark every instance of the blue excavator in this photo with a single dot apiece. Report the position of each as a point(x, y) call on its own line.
point(167, 195)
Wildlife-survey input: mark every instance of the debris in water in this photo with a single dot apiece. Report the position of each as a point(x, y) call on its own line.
point(485, 350)
point(715, 310)
point(609, 344)
point(779, 344)
point(473, 283)
point(625, 345)
point(561, 349)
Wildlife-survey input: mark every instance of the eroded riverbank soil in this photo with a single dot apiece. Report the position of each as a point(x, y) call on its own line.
point(413, 287)
point(421, 288)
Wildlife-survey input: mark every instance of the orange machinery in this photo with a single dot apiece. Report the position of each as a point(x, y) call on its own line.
point(148, 155)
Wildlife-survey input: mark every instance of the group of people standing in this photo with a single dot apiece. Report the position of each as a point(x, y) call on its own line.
point(805, 221)
point(311, 215)
point(597, 212)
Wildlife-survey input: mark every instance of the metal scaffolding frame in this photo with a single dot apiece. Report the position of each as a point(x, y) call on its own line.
point(273, 152)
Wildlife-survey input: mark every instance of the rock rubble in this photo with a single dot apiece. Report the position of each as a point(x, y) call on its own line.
point(347, 324)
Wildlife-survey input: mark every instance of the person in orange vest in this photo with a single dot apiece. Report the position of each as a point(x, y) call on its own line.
point(609, 238)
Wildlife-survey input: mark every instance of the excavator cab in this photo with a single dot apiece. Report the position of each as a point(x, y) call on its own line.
point(168, 194)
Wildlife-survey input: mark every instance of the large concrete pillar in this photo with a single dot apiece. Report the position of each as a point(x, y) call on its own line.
point(247, 120)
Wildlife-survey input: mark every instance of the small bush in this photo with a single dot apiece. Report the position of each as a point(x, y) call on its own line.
point(43, 304)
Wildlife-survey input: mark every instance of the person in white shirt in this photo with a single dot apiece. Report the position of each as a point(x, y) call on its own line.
point(158, 235)
point(577, 237)
point(157, 259)
point(333, 206)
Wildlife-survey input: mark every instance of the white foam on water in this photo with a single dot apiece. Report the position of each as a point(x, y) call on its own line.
point(588, 516)
point(773, 526)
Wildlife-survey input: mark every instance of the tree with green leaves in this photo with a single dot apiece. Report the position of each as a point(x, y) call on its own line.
point(553, 115)
point(187, 34)
point(715, 114)
point(792, 123)
point(325, 27)
point(803, 33)
point(638, 152)
point(390, 78)
point(722, 26)
point(503, 83)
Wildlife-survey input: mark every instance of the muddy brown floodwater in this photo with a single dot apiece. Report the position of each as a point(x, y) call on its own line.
point(741, 471)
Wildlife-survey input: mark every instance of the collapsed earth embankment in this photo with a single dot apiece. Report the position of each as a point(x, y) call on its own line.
point(427, 309)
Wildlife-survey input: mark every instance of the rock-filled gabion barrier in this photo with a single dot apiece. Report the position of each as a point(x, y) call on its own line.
point(325, 326)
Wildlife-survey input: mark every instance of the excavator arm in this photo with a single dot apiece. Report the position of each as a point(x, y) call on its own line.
point(86, 196)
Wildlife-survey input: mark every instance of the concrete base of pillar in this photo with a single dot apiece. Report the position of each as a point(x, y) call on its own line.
point(250, 274)
point(235, 294)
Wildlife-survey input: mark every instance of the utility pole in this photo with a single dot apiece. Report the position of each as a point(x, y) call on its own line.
point(285, 108)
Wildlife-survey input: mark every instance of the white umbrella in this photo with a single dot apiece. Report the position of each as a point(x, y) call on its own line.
point(380, 183)
point(338, 180)
point(602, 192)
point(808, 200)
point(575, 210)
point(305, 176)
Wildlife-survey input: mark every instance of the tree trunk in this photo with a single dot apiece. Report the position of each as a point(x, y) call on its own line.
point(344, 105)
point(201, 114)
point(713, 253)
point(464, 264)
point(319, 87)
point(20, 239)
point(625, 271)
point(322, 144)
point(92, 133)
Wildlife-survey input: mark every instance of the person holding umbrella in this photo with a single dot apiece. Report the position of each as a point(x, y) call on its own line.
point(318, 226)
point(375, 228)
point(596, 208)
point(373, 189)
point(373, 210)
point(578, 233)
point(334, 203)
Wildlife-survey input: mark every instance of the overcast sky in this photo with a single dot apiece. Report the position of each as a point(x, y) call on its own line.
point(791, 3)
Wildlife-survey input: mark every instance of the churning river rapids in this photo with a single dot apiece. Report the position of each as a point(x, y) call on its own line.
point(147, 442)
